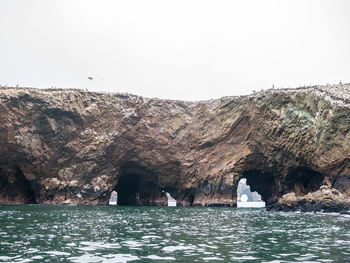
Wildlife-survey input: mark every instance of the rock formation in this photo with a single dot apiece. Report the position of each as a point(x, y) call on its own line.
point(76, 147)
point(326, 200)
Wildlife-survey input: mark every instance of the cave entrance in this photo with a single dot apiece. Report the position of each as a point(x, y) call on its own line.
point(302, 180)
point(138, 185)
point(263, 183)
point(247, 198)
point(15, 187)
point(128, 189)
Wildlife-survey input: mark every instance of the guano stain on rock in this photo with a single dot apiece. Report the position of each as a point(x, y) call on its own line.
point(76, 147)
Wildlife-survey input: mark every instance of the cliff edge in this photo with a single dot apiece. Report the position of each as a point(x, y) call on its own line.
point(76, 147)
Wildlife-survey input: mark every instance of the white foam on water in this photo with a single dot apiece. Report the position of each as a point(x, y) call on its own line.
point(288, 254)
point(91, 246)
point(109, 245)
point(23, 260)
point(180, 247)
point(120, 258)
point(8, 258)
point(58, 253)
point(37, 257)
point(212, 258)
point(71, 245)
point(110, 258)
point(243, 258)
point(155, 257)
point(86, 258)
point(132, 243)
point(153, 245)
point(208, 246)
point(303, 258)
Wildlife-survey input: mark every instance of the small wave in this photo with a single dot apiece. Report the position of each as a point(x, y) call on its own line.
point(150, 237)
point(92, 246)
point(180, 247)
point(212, 258)
point(58, 253)
point(37, 257)
point(132, 243)
point(155, 257)
point(100, 234)
point(9, 259)
point(115, 258)
point(244, 258)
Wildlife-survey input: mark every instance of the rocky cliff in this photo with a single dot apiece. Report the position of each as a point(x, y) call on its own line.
point(76, 147)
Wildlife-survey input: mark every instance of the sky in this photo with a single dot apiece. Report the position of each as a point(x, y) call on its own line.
point(188, 50)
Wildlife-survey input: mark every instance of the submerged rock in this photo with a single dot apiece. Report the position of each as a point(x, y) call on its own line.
point(76, 147)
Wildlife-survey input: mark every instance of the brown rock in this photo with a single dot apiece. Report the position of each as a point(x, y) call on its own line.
point(71, 146)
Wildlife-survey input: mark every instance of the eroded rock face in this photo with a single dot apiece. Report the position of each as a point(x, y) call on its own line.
point(326, 199)
point(76, 147)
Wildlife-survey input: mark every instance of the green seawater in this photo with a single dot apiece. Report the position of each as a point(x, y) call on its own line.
point(39, 233)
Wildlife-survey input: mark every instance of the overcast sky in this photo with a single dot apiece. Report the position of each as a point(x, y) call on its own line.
point(187, 50)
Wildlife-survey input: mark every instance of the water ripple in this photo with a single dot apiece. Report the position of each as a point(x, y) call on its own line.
point(161, 234)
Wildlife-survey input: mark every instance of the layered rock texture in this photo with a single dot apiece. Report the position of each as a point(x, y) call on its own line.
point(324, 200)
point(76, 147)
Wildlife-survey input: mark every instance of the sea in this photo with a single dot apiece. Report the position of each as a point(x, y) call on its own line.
point(43, 233)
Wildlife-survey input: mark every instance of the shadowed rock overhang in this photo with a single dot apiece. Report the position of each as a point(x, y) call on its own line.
point(76, 147)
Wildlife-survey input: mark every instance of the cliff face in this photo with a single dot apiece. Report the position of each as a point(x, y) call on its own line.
point(76, 147)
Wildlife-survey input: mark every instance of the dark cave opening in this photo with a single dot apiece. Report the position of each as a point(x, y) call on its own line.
point(300, 180)
point(263, 184)
point(187, 196)
point(15, 187)
point(137, 185)
point(128, 189)
point(191, 199)
point(303, 180)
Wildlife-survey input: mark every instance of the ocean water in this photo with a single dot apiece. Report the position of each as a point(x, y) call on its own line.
point(39, 233)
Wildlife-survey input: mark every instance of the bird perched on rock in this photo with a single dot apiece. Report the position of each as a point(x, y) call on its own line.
point(90, 78)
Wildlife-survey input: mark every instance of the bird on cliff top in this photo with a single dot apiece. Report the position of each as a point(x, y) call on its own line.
point(90, 78)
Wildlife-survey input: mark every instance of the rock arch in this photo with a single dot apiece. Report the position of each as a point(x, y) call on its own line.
point(263, 183)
